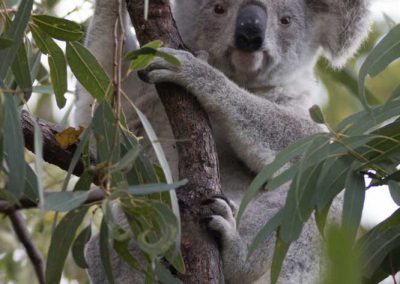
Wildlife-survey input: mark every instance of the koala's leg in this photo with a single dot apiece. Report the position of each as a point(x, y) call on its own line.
point(301, 265)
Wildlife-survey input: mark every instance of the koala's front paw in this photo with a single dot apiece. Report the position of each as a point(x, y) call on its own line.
point(219, 217)
point(159, 70)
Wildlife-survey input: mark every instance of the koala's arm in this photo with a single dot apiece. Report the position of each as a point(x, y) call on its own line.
point(255, 127)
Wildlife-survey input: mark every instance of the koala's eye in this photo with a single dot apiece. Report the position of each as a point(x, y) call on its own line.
point(219, 9)
point(287, 20)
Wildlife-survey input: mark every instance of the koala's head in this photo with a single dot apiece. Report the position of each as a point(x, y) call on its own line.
point(265, 42)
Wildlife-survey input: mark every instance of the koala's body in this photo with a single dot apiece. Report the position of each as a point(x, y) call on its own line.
point(257, 86)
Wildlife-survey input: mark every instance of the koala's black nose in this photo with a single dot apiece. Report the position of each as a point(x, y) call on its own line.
point(251, 23)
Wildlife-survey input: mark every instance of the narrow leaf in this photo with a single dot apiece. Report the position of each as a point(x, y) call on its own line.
point(353, 203)
point(65, 201)
point(104, 251)
point(281, 249)
point(14, 146)
point(58, 28)
point(87, 70)
point(15, 33)
point(61, 242)
point(78, 247)
point(146, 189)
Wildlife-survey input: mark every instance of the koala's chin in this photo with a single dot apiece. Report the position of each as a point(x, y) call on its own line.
point(247, 62)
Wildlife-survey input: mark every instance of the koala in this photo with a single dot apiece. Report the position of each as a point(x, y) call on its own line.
point(256, 85)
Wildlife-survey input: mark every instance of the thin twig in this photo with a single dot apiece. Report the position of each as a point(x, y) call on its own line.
point(18, 224)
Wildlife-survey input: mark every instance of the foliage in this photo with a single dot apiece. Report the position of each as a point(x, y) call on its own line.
point(365, 144)
point(125, 175)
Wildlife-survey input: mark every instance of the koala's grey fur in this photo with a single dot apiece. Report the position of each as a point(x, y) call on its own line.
point(258, 104)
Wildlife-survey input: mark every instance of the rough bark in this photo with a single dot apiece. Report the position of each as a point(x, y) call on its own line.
point(197, 157)
point(52, 153)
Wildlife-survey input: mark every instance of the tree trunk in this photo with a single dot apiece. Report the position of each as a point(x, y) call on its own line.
point(197, 155)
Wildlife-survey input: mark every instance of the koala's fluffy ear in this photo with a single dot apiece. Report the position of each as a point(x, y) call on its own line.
point(341, 26)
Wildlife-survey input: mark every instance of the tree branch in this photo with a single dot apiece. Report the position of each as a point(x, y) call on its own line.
point(18, 224)
point(197, 158)
point(52, 153)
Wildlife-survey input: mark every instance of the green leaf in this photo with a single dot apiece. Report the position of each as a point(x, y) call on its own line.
point(122, 249)
point(299, 204)
point(164, 275)
point(126, 163)
point(105, 129)
point(144, 56)
point(5, 42)
point(316, 114)
point(84, 182)
point(14, 147)
point(31, 184)
point(78, 247)
point(331, 180)
point(169, 58)
point(104, 251)
point(281, 249)
point(265, 231)
point(162, 159)
point(88, 70)
point(15, 33)
point(267, 173)
point(394, 187)
point(21, 70)
point(387, 50)
point(65, 201)
point(58, 28)
point(61, 242)
point(353, 203)
point(38, 146)
point(379, 242)
point(57, 63)
point(146, 189)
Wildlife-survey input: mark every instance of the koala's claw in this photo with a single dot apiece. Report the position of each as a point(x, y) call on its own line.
point(219, 216)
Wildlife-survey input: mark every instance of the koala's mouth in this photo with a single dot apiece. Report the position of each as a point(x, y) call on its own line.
point(247, 62)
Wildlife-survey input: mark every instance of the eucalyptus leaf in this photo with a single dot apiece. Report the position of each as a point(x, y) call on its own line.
point(280, 251)
point(61, 242)
point(104, 251)
point(57, 63)
point(78, 247)
point(145, 189)
point(88, 70)
point(387, 50)
point(14, 147)
point(394, 187)
point(21, 70)
point(15, 33)
point(58, 28)
point(353, 203)
point(267, 173)
point(164, 275)
point(65, 201)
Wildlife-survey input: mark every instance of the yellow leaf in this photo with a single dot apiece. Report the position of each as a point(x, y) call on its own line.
point(68, 137)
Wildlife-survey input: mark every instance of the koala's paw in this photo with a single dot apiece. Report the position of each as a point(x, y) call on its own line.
point(160, 70)
point(219, 217)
